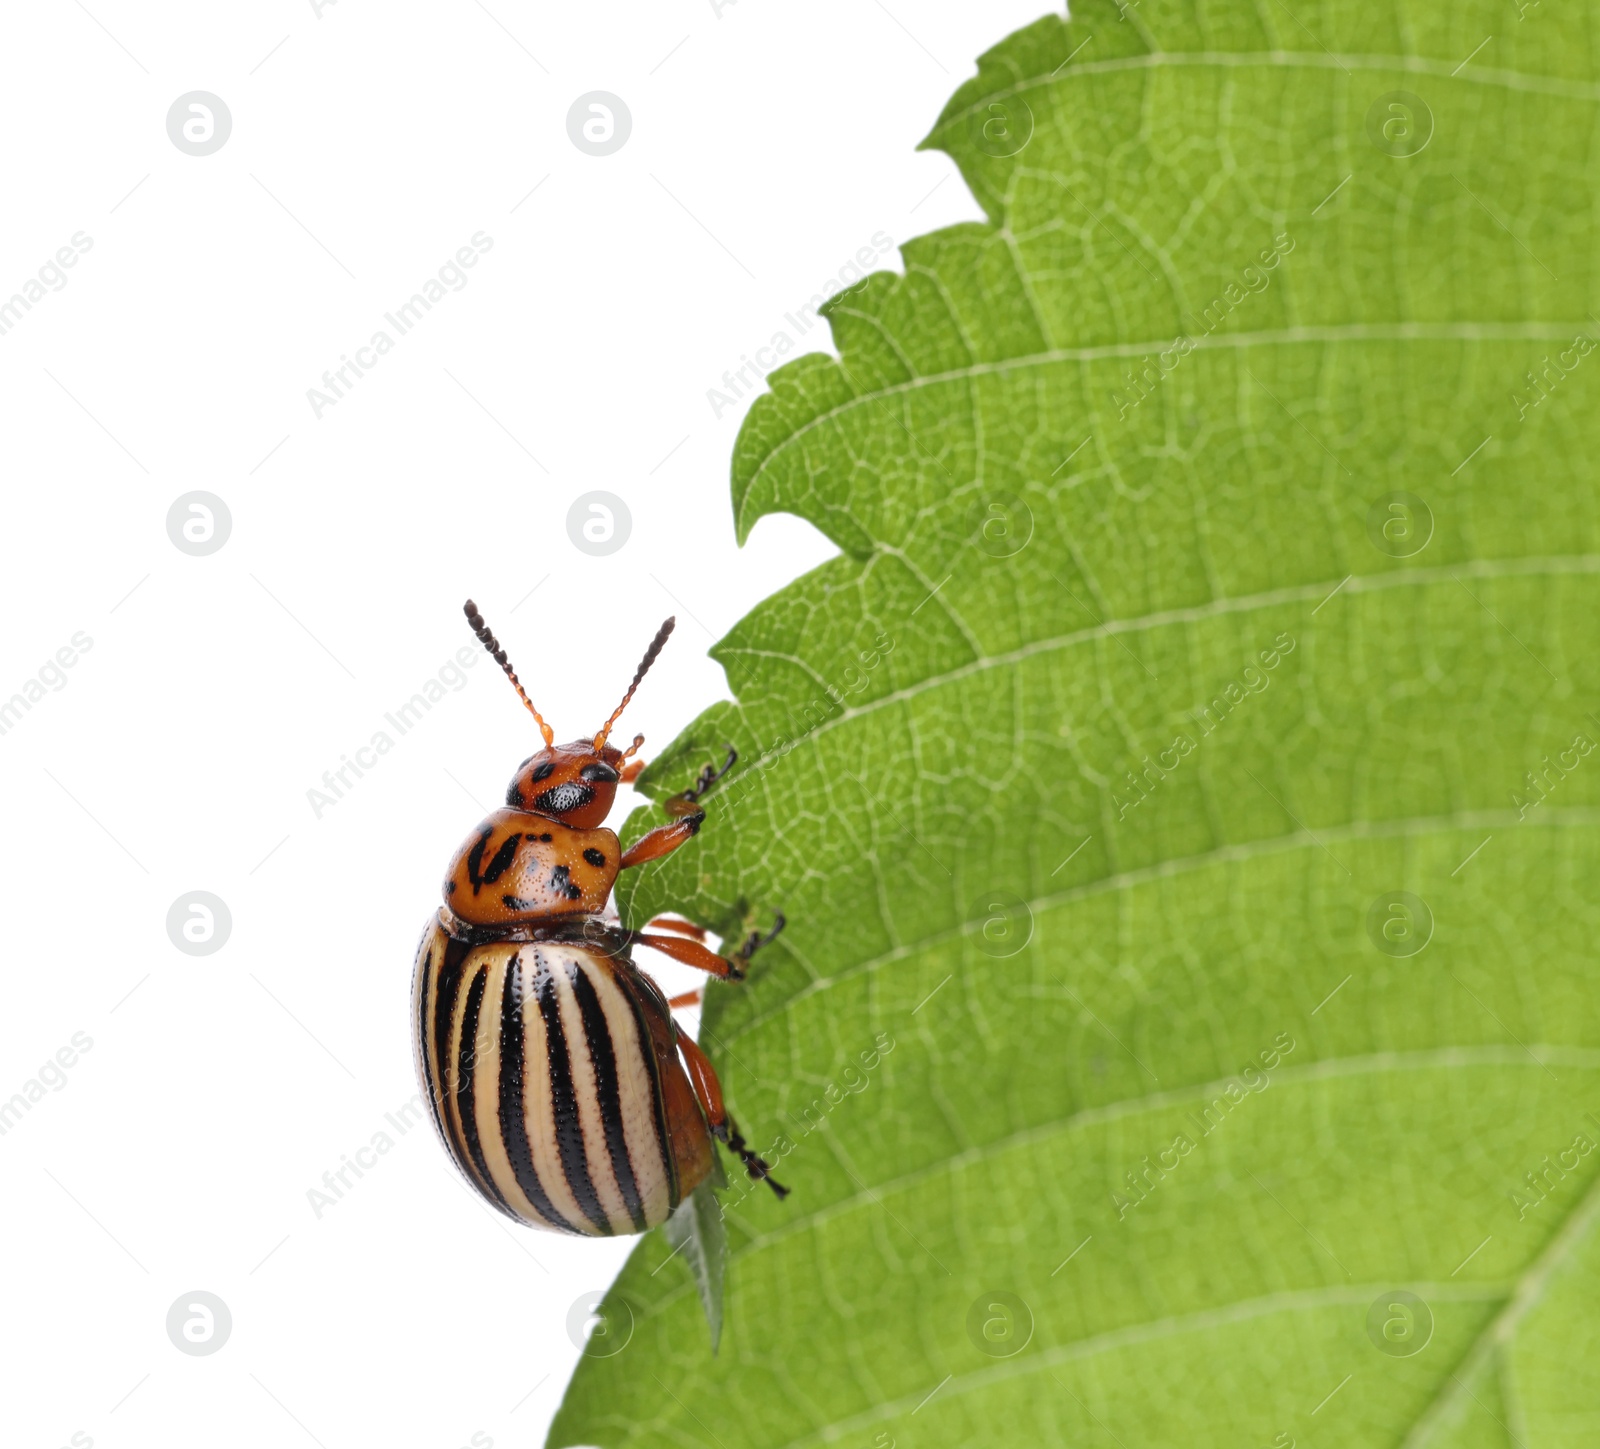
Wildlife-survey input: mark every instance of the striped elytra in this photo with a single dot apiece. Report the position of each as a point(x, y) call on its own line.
point(554, 1083)
point(555, 1074)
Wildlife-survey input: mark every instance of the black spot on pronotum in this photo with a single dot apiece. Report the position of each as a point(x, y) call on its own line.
point(561, 881)
point(502, 859)
point(544, 771)
point(559, 799)
point(595, 857)
point(475, 859)
point(514, 796)
point(449, 887)
point(547, 837)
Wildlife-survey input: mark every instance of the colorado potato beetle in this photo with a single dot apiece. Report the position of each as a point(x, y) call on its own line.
point(558, 1080)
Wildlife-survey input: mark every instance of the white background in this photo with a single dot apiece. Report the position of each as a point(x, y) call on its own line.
point(369, 142)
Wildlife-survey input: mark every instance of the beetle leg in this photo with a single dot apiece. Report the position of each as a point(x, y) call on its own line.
point(631, 771)
point(755, 940)
point(672, 923)
point(663, 840)
point(687, 800)
point(692, 953)
point(688, 998)
point(708, 1090)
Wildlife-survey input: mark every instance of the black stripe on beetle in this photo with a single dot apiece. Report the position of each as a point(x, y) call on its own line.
point(513, 1097)
point(629, 984)
point(603, 1057)
point(466, 1066)
point(446, 985)
point(564, 1102)
point(425, 971)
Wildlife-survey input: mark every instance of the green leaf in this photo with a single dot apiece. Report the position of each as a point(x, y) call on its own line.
point(695, 1229)
point(1182, 788)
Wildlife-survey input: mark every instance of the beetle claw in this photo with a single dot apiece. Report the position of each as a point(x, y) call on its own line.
point(755, 941)
point(754, 1165)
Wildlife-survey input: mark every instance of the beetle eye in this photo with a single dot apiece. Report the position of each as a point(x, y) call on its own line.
point(601, 772)
point(544, 771)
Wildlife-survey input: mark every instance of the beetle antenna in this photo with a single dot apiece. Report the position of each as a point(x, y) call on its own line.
point(638, 674)
point(489, 642)
point(634, 748)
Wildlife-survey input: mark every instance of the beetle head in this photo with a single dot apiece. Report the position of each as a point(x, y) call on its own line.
point(571, 783)
point(576, 783)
